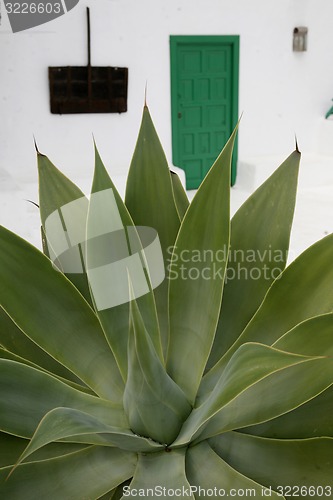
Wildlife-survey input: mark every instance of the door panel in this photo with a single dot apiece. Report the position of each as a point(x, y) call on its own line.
point(204, 87)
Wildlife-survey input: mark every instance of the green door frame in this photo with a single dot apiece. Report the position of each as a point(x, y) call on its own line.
point(175, 42)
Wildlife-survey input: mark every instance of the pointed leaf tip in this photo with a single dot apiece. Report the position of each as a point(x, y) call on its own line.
point(146, 88)
point(33, 203)
point(296, 145)
point(36, 147)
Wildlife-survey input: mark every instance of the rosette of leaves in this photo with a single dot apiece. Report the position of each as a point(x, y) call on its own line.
point(219, 378)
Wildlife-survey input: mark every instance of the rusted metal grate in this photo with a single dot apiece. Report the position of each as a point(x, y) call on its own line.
point(88, 89)
point(82, 89)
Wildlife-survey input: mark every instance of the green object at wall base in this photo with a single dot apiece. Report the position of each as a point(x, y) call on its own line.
point(329, 112)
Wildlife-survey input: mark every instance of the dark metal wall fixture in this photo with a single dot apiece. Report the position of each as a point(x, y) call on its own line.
point(300, 39)
point(88, 89)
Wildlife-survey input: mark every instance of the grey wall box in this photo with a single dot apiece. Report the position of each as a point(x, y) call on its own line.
point(300, 39)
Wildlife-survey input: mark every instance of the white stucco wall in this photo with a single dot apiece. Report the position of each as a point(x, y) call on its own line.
point(281, 92)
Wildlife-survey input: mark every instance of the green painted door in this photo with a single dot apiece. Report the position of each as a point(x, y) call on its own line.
point(204, 97)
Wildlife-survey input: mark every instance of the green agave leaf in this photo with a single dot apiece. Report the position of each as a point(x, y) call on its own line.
point(44, 242)
point(259, 242)
point(312, 419)
point(27, 394)
point(56, 191)
point(11, 447)
point(62, 423)
point(212, 477)
point(149, 183)
point(109, 495)
point(14, 341)
point(54, 450)
point(155, 405)
point(279, 393)
point(180, 196)
point(250, 364)
point(194, 304)
point(51, 312)
point(85, 474)
point(104, 249)
point(160, 474)
point(4, 354)
point(116, 493)
point(303, 291)
point(315, 337)
point(273, 462)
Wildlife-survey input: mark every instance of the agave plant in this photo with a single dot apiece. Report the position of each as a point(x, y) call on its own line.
point(214, 381)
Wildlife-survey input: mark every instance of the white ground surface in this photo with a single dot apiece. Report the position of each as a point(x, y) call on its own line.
point(313, 216)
